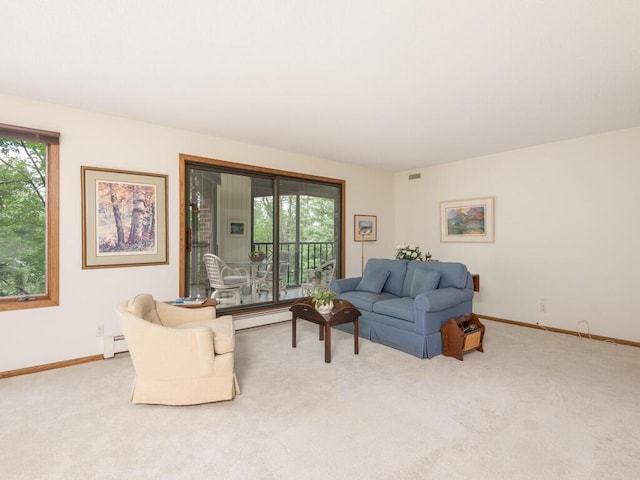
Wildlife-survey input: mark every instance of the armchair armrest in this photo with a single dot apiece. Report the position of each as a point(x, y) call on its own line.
point(168, 353)
point(341, 285)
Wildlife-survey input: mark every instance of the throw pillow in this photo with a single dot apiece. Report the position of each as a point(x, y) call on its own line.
point(373, 281)
point(424, 281)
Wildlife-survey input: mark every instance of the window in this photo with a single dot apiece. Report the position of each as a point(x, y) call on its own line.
point(231, 210)
point(29, 168)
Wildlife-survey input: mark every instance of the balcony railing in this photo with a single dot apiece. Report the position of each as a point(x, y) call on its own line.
point(303, 256)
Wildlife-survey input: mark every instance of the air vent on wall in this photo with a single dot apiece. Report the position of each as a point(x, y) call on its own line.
point(414, 176)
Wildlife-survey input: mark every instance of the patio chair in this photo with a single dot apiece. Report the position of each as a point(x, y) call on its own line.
point(265, 281)
point(319, 277)
point(223, 278)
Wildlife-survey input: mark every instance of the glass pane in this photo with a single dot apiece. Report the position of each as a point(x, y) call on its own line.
point(310, 230)
point(268, 251)
point(288, 241)
point(22, 218)
point(202, 188)
point(227, 221)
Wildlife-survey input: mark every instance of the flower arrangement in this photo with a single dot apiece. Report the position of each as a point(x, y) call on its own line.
point(408, 252)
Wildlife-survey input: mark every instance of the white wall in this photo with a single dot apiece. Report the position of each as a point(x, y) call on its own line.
point(88, 297)
point(235, 201)
point(566, 227)
point(566, 231)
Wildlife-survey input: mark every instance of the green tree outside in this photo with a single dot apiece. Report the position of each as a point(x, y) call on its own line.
point(316, 223)
point(316, 219)
point(22, 217)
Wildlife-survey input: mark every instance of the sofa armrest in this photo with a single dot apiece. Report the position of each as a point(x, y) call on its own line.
point(442, 299)
point(341, 285)
point(469, 285)
point(434, 308)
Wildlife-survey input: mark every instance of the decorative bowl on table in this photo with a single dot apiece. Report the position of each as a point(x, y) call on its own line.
point(323, 300)
point(256, 256)
point(324, 308)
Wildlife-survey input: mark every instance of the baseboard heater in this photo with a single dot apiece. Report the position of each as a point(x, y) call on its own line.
point(118, 344)
point(258, 319)
point(113, 345)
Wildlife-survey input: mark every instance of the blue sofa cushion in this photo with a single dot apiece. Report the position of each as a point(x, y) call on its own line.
point(373, 281)
point(365, 300)
point(451, 274)
point(397, 269)
point(396, 307)
point(424, 281)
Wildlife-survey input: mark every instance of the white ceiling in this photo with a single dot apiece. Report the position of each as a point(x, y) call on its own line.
point(392, 84)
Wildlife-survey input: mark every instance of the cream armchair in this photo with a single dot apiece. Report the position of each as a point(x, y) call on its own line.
point(181, 356)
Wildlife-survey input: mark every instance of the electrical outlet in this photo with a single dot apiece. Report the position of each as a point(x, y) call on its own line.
point(100, 331)
point(543, 306)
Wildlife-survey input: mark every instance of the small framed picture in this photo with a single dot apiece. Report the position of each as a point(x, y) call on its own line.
point(237, 228)
point(365, 228)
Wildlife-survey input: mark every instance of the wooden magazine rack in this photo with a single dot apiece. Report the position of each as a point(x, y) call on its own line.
point(461, 335)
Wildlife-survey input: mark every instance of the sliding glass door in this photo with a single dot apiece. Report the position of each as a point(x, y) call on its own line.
point(230, 213)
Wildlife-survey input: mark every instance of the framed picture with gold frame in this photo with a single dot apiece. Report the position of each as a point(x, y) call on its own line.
point(124, 218)
point(365, 228)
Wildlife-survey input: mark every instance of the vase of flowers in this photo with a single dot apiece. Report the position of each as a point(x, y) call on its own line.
point(408, 252)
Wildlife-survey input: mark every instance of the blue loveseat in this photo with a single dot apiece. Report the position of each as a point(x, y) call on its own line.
point(404, 303)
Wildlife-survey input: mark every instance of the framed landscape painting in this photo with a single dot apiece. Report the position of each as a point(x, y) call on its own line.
point(237, 228)
point(365, 228)
point(467, 220)
point(124, 218)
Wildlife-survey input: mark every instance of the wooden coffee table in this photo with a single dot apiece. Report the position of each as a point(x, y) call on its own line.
point(342, 312)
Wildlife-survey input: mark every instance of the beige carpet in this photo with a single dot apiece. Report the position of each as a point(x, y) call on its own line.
point(536, 405)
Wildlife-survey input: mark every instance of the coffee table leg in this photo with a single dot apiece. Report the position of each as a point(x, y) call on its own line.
point(355, 336)
point(293, 332)
point(327, 344)
point(321, 332)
